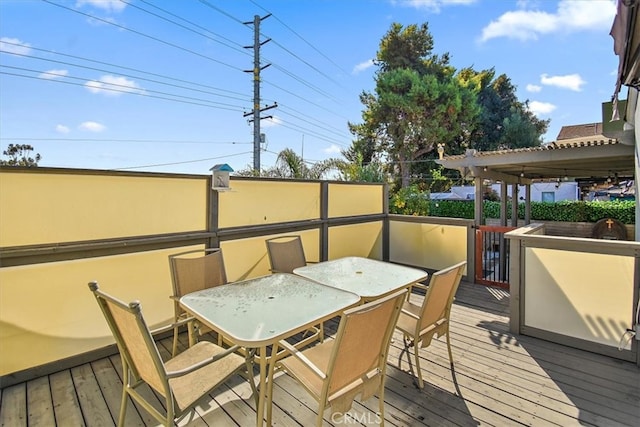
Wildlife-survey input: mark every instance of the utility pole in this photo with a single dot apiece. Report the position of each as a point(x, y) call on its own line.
point(256, 89)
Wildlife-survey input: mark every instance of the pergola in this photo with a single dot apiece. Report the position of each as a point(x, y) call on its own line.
point(594, 160)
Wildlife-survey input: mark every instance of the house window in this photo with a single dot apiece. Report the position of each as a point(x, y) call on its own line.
point(548, 196)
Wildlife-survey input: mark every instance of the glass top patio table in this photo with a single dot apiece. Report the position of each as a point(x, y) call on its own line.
point(256, 313)
point(261, 311)
point(366, 277)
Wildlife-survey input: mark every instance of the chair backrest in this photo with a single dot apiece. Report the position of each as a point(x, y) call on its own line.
point(191, 273)
point(134, 340)
point(361, 346)
point(285, 253)
point(439, 297)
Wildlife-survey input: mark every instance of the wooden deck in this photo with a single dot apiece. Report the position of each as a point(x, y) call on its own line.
point(502, 380)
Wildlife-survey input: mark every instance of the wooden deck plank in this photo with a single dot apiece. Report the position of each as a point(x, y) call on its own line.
point(39, 404)
point(13, 409)
point(111, 388)
point(92, 403)
point(65, 401)
point(502, 380)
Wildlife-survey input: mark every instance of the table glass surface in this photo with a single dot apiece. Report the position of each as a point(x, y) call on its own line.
point(366, 277)
point(260, 311)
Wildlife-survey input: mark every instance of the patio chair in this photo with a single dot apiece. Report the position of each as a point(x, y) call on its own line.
point(191, 273)
point(354, 363)
point(183, 381)
point(286, 254)
point(419, 323)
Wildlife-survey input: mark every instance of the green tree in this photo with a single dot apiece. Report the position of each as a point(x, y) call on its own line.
point(503, 122)
point(20, 155)
point(358, 171)
point(418, 102)
point(291, 165)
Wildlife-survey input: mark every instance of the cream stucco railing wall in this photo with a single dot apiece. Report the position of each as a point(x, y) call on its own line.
point(429, 242)
point(574, 291)
point(60, 229)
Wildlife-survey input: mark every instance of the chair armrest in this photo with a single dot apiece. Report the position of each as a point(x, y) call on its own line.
point(419, 285)
point(202, 363)
point(298, 354)
point(408, 313)
point(416, 285)
point(170, 326)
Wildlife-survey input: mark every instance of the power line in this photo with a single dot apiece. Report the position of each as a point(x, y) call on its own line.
point(328, 110)
point(112, 89)
point(328, 129)
point(305, 41)
point(237, 46)
point(283, 69)
point(168, 141)
point(217, 9)
point(182, 163)
point(144, 35)
point(173, 78)
point(123, 74)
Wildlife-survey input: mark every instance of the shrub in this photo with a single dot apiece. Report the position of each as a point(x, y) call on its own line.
point(569, 211)
point(412, 200)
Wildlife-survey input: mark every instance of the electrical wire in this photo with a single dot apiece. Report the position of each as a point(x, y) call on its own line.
point(139, 92)
point(305, 41)
point(125, 75)
point(280, 68)
point(167, 141)
point(184, 162)
point(143, 35)
point(237, 46)
point(172, 78)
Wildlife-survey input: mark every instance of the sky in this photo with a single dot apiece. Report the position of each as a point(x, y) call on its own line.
point(167, 85)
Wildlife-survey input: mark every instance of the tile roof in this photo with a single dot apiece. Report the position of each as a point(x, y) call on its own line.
point(580, 131)
point(553, 145)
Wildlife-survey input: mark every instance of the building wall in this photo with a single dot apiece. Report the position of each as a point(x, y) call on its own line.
point(561, 191)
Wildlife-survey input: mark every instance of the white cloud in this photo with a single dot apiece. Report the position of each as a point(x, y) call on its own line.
point(541, 108)
point(332, 149)
point(571, 15)
point(432, 5)
point(11, 45)
point(62, 129)
point(53, 74)
point(570, 81)
point(107, 5)
point(362, 66)
point(92, 127)
point(112, 86)
point(533, 88)
point(271, 122)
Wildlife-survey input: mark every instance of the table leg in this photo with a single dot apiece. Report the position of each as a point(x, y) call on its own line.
point(262, 386)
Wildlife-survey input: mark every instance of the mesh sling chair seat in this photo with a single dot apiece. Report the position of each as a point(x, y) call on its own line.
point(336, 371)
point(286, 253)
point(190, 273)
point(419, 323)
point(183, 381)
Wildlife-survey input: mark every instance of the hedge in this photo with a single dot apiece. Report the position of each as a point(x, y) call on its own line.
point(569, 211)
